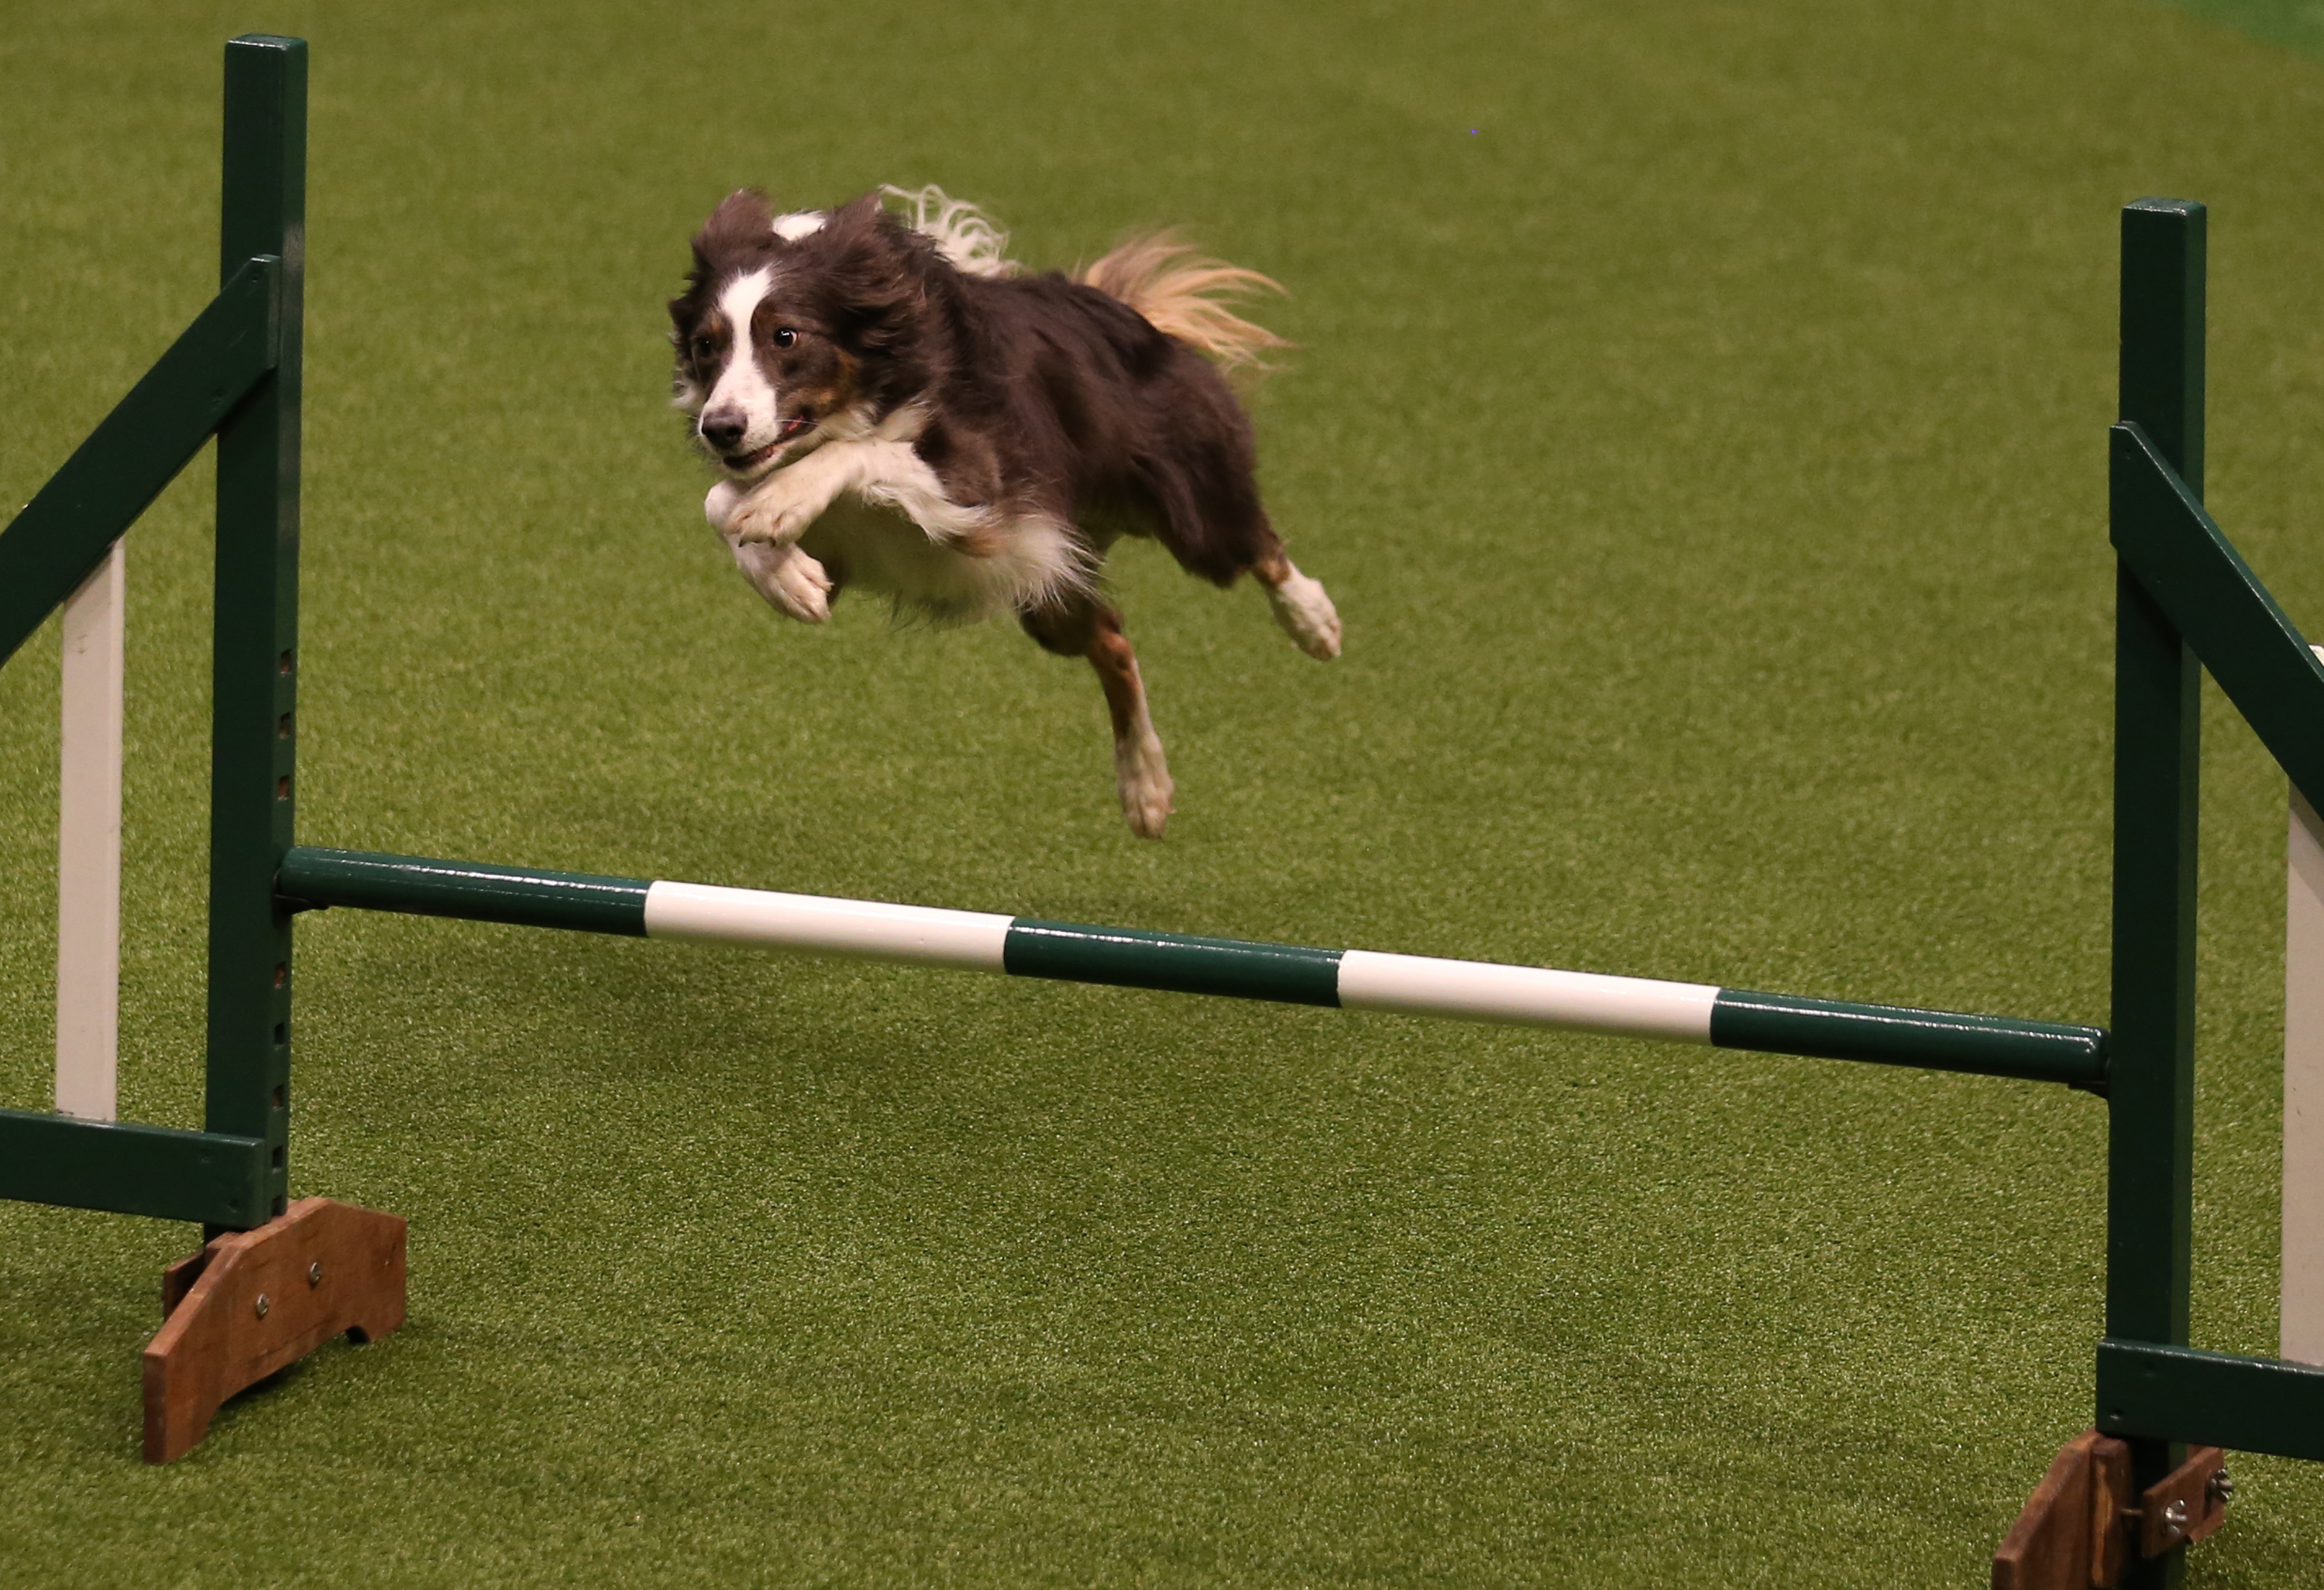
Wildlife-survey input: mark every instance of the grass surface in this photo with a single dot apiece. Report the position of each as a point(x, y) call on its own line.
point(2296, 24)
point(1698, 419)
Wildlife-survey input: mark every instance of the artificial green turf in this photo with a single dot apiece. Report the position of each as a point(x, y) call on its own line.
point(1699, 420)
point(2297, 23)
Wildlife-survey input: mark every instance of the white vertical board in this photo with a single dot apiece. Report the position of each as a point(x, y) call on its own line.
point(2303, 1323)
point(88, 844)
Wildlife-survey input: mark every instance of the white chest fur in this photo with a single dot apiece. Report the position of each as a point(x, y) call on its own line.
point(875, 513)
point(878, 546)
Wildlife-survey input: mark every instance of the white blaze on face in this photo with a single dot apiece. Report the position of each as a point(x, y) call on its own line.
point(743, 390)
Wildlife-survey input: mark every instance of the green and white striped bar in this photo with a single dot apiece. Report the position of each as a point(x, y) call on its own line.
point(1358, 980)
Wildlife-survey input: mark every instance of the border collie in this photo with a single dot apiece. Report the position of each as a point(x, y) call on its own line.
point(893, 403)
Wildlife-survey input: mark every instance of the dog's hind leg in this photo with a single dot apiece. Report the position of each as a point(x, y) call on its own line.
point(1301, 604)
point(1206, 509)
point(1088, 628)
point(1228, 534)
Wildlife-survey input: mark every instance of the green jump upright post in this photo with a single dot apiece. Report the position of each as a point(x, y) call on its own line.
point(229, 1320)
point(255, 659)
point(225, 1329)
point(2158, 699)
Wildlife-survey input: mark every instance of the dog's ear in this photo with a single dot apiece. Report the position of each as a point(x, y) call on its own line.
point(864, 210)
point(740, 230)
point(877, 273)
point(743, 222)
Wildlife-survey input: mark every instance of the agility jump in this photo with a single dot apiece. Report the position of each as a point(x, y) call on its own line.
point(275, 1280)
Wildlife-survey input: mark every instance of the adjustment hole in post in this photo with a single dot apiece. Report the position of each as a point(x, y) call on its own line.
point(282, 727)
point(284, 666)
point(278, 1098)
point(281, 1036)
point(283, 787)
point(282, 974)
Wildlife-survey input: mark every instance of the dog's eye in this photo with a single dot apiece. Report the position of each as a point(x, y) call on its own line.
point(705, 346)
point(784, 337)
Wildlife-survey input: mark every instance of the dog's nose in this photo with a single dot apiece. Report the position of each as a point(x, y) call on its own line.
point(723, 429)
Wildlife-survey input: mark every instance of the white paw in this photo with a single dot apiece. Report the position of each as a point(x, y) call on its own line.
point(1306, 615)
point(791, 581)
point(719, 506)
point(776, 512)
point(1144, 778)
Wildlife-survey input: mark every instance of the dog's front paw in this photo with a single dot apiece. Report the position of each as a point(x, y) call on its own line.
point(791, 581)
point(719, 506)
point(776, 513)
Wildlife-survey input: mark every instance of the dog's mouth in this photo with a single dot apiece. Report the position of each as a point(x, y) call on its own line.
point(791, 430)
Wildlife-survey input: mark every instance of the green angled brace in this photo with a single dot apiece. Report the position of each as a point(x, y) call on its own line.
point(2211, 1399)
point(138, 449)
point(159, 1171)
point(2192, 571)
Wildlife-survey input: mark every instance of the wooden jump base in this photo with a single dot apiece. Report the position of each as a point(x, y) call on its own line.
point(274, 1280)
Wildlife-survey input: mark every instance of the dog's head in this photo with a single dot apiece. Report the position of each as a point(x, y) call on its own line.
point(796, 328)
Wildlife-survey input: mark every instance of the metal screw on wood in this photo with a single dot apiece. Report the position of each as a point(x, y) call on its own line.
point(315, 1278)
point(264, 1304)
point(2220, 1487)
point(2175, 1518)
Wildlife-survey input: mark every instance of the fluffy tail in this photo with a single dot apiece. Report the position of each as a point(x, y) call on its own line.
point(1186, 295)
